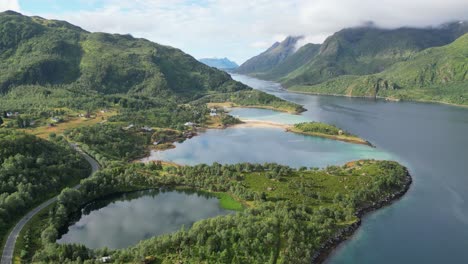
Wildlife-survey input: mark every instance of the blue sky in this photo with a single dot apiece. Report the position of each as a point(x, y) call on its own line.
point(238, 29)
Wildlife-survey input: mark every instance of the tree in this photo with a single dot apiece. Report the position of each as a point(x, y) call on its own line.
point(1, 121)
point(49, 235)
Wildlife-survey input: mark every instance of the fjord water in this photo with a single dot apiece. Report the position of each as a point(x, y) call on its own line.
point(430, 223)
point(123, 220)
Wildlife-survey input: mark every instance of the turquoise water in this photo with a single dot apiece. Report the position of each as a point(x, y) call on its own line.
point(267, 115)
point(260, 145)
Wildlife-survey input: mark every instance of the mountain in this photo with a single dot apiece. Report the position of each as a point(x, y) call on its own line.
point(367, 50)
point(353, 51)
point(37, 51)
point(271, 57)
point(435, 74)
point(222, 64)
point(302, 56)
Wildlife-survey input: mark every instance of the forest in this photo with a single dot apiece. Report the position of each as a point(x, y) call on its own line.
point(31, 170)
point(290, 212)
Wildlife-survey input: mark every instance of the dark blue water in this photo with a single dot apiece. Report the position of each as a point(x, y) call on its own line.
point(430, 224)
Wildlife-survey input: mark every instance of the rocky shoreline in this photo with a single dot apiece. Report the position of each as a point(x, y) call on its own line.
point(328, 247)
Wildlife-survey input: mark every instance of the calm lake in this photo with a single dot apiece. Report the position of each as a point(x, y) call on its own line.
point(430, 223)
point(123, 220)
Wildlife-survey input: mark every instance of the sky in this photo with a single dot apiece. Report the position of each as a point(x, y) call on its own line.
point(238, 29)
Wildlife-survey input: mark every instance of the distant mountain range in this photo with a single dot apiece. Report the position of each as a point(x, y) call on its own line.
point(374, 53)
point(222, 64)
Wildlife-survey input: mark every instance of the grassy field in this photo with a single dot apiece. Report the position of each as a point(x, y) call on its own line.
point(72, 121)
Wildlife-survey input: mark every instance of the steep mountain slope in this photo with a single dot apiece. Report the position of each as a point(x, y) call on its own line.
point(265, 61)
point(367, 50)
point(222, 64)
point(302, 56)
point(34, 50)
point(434, 74)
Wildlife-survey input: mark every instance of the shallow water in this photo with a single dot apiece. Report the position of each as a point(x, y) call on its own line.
point(260, 145)
point(123, 220)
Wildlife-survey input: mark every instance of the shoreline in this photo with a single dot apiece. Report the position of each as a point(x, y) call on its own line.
point(388, 99)
point(254, 123)
point(290, 128)
point(330, 245)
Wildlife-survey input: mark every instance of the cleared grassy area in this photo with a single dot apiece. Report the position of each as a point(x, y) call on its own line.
point(73, 121)
point(228, 202)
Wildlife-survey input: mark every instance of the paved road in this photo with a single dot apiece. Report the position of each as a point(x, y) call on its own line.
point(9, 248)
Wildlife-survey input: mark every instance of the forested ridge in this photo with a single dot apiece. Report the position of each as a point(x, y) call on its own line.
point(32, 169)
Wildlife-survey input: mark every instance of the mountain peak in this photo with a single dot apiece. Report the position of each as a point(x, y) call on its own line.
point(11, 13)
point(274, 55)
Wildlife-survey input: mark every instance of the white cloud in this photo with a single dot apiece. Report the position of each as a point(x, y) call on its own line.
point(243, 28)
point(9, 5)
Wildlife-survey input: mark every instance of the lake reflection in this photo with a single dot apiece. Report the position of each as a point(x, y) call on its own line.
point(122, 221)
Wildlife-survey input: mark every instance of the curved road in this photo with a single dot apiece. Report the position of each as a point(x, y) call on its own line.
point(9, 248)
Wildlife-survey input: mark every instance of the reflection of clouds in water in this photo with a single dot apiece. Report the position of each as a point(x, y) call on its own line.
point(259, 145)
point(127, 222)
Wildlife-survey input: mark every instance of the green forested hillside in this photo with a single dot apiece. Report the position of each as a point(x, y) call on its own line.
point(273, 56)
point(435, 74)
point(302, 56)
point(368, 50)
point(32, 169)
point(50, 68)
point(352, 51)
point(34, 50)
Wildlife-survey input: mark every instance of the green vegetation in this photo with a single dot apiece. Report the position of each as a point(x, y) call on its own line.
point(108, 142)
point(317, 127)
point(302, 56)
point(268, 59)
point(252, 98)
point(403, 63)
point(50, 64)
point(31, 170)
point(436, 74)
point(228, 202)
point(116, 95)
point(290, 212)
point(327, 131)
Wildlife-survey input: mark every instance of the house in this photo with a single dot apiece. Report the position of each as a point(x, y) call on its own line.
point(106, 259)
point(128, 127)
point(55, 119)
point(190, 124)
point(147, 129)
point(213, 112)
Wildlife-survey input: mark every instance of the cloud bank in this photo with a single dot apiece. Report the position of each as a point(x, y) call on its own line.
point(243, 28)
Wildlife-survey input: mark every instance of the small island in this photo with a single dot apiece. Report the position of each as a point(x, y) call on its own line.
point(318, 129)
